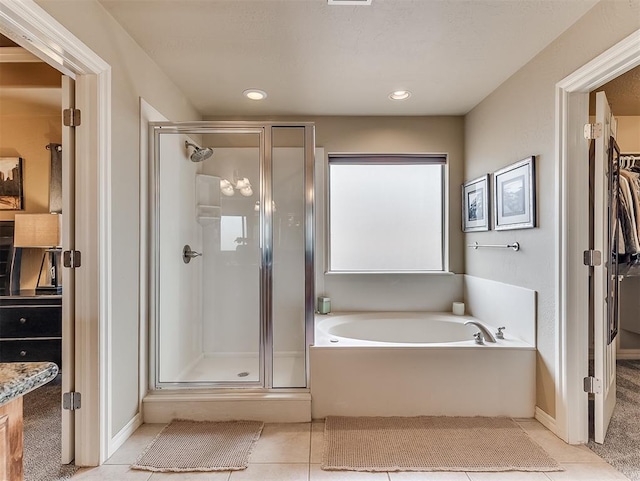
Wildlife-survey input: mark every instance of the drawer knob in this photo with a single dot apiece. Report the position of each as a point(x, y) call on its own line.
point(23, 320)
point(23, 353)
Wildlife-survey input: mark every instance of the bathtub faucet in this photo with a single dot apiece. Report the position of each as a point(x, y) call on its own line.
point(486, 333)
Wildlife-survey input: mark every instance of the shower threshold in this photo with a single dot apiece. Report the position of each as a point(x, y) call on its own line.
point(268, 405)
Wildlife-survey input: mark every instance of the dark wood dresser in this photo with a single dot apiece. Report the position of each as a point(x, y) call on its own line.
point(31, 328)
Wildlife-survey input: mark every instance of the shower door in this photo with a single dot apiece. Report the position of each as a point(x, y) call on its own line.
point(232, 265)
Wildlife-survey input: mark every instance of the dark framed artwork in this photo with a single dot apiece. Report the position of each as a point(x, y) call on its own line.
point(475, 204)
point(514, 196)
point(11, 183)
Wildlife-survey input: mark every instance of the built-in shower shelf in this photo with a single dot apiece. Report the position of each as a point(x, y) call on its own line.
point(208, 189)
point(206, 214)
point(207, 198)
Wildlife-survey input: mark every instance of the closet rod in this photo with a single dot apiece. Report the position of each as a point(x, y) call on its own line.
point(515, 246)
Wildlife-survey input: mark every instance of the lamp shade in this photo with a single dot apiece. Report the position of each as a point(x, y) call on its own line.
point(37, 230)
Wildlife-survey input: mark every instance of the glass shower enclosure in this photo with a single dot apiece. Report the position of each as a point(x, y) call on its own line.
point(232, 297)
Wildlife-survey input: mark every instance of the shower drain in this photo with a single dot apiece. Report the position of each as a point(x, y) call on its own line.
point(243, 374)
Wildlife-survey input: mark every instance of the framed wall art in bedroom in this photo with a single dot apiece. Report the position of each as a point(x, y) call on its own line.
point(11, 183)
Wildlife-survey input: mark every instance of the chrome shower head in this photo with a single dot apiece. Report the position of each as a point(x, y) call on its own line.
point(199, 154)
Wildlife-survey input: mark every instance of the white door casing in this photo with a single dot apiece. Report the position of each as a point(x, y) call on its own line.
point(68, 275)
point(27, 24)
point(603, 276)
point(572, 234)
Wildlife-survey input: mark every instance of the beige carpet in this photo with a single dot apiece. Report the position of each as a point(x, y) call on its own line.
point(431, 444)
point(201, 446)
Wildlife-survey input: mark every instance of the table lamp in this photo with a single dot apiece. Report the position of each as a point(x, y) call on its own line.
point(42, 231)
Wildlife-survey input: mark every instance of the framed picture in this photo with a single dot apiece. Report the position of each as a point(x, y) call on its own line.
point(10, 183)
point(514, 196)
point(475, 204)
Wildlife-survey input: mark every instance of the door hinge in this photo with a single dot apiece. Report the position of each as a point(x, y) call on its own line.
point(592, 385)
point(592, 131)
point(71, 401)
point(71, 117)
point(592, 258)
point(72, 259)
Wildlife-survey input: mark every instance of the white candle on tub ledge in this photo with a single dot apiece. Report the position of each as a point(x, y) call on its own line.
point(458, 308)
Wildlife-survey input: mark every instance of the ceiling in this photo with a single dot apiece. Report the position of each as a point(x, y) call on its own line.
point(316, 59)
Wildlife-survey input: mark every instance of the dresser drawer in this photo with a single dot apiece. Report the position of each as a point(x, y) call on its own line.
point(30, 321)
point(31, 350)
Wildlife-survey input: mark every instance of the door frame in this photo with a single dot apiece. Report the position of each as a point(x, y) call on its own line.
point(572, 233)
point(26, 23)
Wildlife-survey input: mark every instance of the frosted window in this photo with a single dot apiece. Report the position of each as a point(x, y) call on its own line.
point(386, 216)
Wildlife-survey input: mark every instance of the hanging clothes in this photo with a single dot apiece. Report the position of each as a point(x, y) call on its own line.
point(629, 216)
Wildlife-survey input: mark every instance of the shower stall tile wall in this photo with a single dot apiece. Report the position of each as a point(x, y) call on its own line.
point(503, 305)
point(179, 302)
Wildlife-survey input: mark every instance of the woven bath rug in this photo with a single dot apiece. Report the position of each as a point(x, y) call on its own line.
point(431, 444)
point(201, 446)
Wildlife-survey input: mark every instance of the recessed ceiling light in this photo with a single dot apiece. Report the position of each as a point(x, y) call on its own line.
point(255, 94)
point(400, 95)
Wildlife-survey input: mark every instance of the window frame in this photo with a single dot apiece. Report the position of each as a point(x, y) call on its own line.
point(390, 159)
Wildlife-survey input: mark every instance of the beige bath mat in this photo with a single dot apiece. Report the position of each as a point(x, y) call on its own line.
point(431, 444)
point(201, 446)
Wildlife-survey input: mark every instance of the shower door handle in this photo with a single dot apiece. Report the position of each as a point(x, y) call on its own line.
point(188, 254)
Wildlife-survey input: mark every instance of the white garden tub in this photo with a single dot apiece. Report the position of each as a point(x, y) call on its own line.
point(417, 363)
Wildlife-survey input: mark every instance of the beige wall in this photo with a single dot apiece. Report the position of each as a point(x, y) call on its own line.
point(29, 120)
point(516, 121)
point(133, 75)
point(402, 135)
point(398, 135)
point(628, 137)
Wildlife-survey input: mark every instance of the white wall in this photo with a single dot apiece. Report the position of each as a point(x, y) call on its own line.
point(231, 281)
point(516, 121)
point(180, 297)
point(134, 75)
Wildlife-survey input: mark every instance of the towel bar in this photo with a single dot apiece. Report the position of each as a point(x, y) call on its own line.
point(515, 246)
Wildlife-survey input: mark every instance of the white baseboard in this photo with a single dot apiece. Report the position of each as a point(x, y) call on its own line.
point(625, 354)
point(119, 439)
point(546, 420)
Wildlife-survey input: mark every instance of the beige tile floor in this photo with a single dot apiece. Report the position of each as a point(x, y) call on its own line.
point(293, 452)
